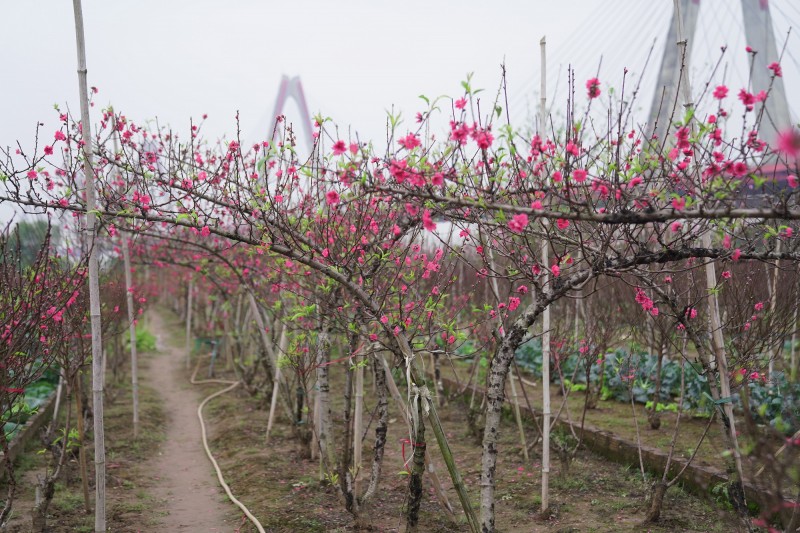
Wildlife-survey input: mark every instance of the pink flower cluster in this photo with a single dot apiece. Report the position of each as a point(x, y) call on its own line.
point(593, 87)
point(647, 304)
point(518, 223)
point(460, 132)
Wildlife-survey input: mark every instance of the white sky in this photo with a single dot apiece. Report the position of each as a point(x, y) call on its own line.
point(176, 59)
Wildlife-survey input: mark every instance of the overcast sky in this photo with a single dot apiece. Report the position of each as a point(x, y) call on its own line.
point(176, 59)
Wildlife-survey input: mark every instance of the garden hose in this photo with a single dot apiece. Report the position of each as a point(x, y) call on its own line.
point(231, 385)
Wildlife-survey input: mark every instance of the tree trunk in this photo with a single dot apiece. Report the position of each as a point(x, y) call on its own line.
point(657, 493)
point(381, 428)
point(46, 486)
point(415, 492)
point(346, 481)
point(443, 447)
point(42, 503)
point(358, 422)
point(495, 395)
point(654, 417)
point(81, 446)
point(324, 435)
point(11, 480)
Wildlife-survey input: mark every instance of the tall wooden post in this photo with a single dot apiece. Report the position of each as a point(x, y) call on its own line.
point(94, 281)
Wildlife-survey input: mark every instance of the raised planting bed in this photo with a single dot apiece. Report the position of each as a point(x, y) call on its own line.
point(700, 479)
point(26, 432)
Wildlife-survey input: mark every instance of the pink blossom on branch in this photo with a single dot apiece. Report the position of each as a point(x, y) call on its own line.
point(339, 147)
point(579, 175)
point(726, 242)
point(720, 92)
point(427, 221)
point(483, 138)
point(332, 197)
point(788, 143)
point(775, 67)
point(409, 142)
point(636, 180)
point(518, 223)
point(747, 99)
point(593, 87)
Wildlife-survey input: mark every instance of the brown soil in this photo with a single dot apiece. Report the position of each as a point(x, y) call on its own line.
point(161, 481)
point(185, 479)
point(284, 490)
point(130, 506)
point(177, 491)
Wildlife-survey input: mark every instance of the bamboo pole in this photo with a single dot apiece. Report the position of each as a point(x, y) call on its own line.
point(317, 423)
point(715, 324)
point(282, 345)
point(358, 423)
point(545, 316)
point(518, 416)
point(189, 323)
point(772, 306)
point(793, 353)
point(272, 359)
point(126, 259)
point(94, 281)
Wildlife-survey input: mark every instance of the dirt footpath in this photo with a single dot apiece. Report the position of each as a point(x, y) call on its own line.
point(185, 479)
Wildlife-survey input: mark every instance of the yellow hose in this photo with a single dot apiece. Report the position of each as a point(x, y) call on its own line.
point(232, 385)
